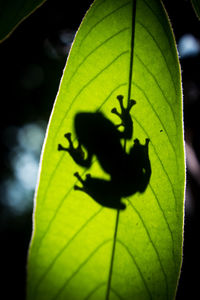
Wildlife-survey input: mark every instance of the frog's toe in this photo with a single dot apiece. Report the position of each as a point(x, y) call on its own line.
point(131, 102)
point(136, 141)
point(147, 141)
point(120, 99)
point(68, 135)
point(122, 206)
point(114, 111)
point(78, 188)
point(88, 176)
point(76, 174)
point(61, 148)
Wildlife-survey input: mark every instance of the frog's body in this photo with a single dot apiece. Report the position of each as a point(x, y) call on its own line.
point(101, 138)
point(129, 172)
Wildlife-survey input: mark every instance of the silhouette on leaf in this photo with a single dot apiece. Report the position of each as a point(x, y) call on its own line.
point(129, 172)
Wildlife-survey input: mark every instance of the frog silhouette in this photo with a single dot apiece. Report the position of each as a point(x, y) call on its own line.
point(129, 172)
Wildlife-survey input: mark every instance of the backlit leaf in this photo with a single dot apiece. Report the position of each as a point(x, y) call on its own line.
point(80, 249)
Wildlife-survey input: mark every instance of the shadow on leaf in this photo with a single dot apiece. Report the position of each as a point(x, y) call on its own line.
point(129, 172)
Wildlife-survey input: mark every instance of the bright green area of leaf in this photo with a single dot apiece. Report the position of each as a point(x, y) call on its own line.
point(13, 12)
point(81, 250)
point(196, 6)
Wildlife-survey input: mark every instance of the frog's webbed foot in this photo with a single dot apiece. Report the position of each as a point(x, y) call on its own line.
point(140, 149)
point(76, 153)
point(138, 145)
point(78, 188)
point(124, 115)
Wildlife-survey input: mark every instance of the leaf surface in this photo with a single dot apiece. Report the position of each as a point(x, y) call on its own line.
point(196, 6)
point(80, 249)
point(13, 12)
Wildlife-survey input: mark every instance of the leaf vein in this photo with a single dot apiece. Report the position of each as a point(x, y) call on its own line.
point(63, 155)
point(51, 178)
point(112, 256)
point(92, 292)
point(85, 86)
point(161, 51)
point(101, 20)
point(152, 243)
point(161, 24)
point(137, 267)
point(63, 249)
point(165, 218)
point(60, 160)
point(62, 288)
point(116, 293)
point(156, 153)
point(170, 182)
point(110, 94)
point(159, 87)
point(54, 216)
point(95, 6)
point(132, 46)
point(146, 97)
point(94, 50)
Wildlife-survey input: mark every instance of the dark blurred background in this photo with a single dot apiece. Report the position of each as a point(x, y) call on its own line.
point(31, 65)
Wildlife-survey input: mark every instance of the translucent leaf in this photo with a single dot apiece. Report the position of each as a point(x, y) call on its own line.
point(81, 249)
point(13, 12)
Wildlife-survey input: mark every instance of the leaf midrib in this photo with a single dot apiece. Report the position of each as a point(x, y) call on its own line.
point(134, 4)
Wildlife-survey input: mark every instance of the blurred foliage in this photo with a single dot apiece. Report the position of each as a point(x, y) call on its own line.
point(196, 6)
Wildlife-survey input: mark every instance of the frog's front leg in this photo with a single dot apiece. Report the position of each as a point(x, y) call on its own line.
point(125, 117)
point(77, 153)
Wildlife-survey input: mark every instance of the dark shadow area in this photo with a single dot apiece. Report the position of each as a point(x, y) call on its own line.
point(31, 65)
point(129, 172)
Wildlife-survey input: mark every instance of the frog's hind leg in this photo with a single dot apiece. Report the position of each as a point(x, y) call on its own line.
point(102, 191)
point(139, 155)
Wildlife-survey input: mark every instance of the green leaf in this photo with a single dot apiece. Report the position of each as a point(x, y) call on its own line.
point(80, 249)
point(196, 6)
point(13, 12)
